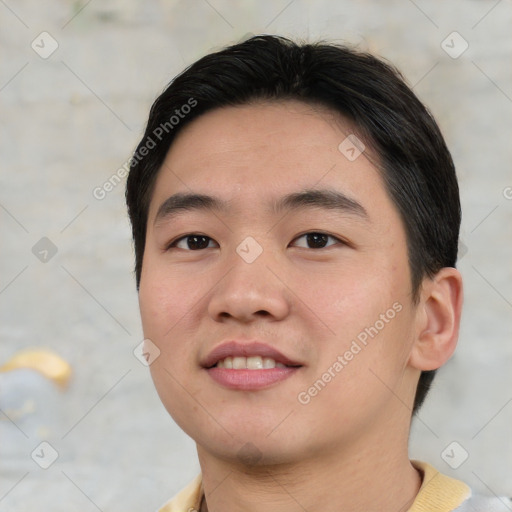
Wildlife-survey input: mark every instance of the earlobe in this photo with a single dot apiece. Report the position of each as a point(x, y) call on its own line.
point(438, 320)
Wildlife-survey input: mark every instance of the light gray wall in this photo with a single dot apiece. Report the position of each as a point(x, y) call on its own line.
point(70, 121)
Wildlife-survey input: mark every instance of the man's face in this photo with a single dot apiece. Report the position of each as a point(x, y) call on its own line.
point(326, 286)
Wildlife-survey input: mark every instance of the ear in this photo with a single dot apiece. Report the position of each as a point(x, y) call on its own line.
point(437, 320)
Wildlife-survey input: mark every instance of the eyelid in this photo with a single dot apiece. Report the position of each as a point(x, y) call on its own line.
point(171, 244)
point(320, 232)
point(309, 232)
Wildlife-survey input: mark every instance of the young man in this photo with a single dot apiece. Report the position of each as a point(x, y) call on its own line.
point(295, 214)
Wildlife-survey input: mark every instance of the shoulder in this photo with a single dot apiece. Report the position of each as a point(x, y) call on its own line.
point(187, 500)
point(477, 503)
point(441, 493)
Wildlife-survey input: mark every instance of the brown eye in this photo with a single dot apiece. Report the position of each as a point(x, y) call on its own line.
point(192, 242)
point(317, 240)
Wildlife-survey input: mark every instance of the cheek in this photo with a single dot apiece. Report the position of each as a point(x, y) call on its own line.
point(359, 375)
point(162, 301)
point(353, 297)
point(367, 311)
point(169, 303)
point(164, 307)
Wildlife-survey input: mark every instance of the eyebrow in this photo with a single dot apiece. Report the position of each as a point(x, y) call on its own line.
point(327, 199)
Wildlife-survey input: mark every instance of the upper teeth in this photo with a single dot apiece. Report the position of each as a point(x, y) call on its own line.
point(248, 363)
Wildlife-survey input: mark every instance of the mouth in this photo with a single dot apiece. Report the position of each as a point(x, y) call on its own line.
point(249, 366)
point(250, 363)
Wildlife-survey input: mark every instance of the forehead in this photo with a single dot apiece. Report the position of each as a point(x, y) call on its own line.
point(275, 127)
point(252, 152)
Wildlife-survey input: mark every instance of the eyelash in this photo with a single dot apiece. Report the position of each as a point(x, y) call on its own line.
point(189, 235)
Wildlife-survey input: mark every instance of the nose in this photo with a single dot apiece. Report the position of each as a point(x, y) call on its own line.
point(249, 291)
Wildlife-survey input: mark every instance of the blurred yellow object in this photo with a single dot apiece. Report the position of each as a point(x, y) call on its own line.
point(43, 361)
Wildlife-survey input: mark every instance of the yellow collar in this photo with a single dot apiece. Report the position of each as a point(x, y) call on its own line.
point(438, 493)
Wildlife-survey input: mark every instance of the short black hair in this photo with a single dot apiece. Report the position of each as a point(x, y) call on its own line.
point(412, 155)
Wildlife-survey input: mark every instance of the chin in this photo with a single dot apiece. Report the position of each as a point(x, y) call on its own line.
point(251, 445)
point(253, 454)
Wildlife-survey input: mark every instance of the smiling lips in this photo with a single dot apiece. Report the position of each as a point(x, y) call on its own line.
point(249, 363)
point(248, 366)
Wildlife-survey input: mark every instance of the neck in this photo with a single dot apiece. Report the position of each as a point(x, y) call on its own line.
point(359, 478)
